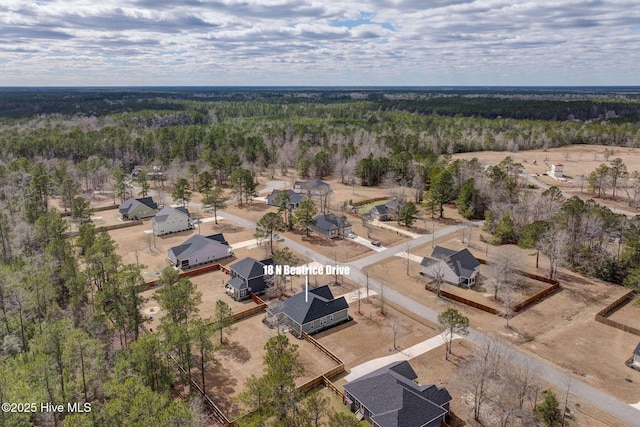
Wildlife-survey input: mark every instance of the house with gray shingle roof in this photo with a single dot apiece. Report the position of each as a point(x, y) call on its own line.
point(294, 198)
point(331, 225)
point(314, 311)
point(457, 267)
point(386, 211)
point(199, 250)
point(171, 220)
point(390, 397)
point(134, 209)
point(248, 276)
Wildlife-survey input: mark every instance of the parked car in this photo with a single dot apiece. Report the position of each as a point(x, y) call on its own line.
point(352, 235)
point(376, 243)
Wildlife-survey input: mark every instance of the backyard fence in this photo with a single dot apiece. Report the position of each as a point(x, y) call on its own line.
point(194, 272)
point(601, 316)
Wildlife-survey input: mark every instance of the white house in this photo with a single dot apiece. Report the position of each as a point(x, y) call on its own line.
point(171, 220)
point(459, 268)
point(636, 356)
point(556, 170)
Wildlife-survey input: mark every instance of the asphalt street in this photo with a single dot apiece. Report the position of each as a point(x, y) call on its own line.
point(543, 368)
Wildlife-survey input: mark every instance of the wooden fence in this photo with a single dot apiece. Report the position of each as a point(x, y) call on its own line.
point(365, 202)
point(194, 272)
point(516, 308)
point(322, 348)
point(331, 386)
point(537, 297)
point(601, 316)
point(215, 410)
point(248, 313)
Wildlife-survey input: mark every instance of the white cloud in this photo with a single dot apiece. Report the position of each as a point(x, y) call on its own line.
point(319, 42)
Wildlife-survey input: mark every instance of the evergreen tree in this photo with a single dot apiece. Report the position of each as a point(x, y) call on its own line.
point(304, 215)
point(548, 410)
point(275, 394)
point(407, 214)
point(181, 191)
point(452, 323)
point(268, 227)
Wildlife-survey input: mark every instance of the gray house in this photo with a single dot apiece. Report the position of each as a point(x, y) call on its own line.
point(134, 209)
point(171, 220)
point(636, 356)
point(331, 225)
point(248, 275)
point(198, 250)
point(390, 397)
point(293, 196)
point(315, 311)
point(457, 267)
point(386, 211)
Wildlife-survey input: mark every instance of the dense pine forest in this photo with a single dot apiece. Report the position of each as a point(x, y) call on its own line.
point(69, 308)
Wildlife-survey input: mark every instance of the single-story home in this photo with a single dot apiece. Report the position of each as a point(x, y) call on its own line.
point(294, 198)
point(457, 267)
point(134, 209)
point(315, 187)
point(331, 225)
point(636, 356)
point(198, 250)
point(171, 220)
point(390, 397)
point(248, 275)
point(314, 311)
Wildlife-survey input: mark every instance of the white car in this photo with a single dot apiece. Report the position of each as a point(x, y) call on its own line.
point(352, 235)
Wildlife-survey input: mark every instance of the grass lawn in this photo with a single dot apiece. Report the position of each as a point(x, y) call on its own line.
point(364, 209)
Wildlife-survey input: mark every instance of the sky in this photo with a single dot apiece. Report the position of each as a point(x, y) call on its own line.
point(319, 43)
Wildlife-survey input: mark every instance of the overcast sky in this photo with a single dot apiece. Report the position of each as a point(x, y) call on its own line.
point(319, 42)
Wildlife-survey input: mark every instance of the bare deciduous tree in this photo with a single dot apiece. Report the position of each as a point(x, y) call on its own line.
point(552, 244)
point(396, 327)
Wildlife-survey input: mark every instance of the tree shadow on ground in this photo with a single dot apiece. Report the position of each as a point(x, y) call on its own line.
point(235, 351)
point(221, 387)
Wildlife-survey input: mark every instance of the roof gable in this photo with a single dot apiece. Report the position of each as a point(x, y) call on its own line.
point(194, 244)
point(395, 400)
point(637, 350)
point(248, 268)
point(463, 263)
point(294, 197)
point(319, 302)
point(168, 211)
point(379, 209)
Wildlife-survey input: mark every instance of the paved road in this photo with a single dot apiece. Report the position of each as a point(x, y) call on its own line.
point(543, 368)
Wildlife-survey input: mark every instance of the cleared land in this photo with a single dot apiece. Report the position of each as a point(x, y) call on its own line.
point(578, 160)
point(628, 314)
point(242, 357)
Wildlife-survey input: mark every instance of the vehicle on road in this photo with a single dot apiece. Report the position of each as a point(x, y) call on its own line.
point(376, 243)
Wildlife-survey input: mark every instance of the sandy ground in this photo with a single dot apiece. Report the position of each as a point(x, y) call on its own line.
point(578, 160)
point(628, 314)
point(210, 285)
point(242, 356)
point(560, 328)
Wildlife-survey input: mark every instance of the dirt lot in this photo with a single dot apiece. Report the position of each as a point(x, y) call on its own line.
point(138, 245)
point(211, 285)
point(628, 314)
point(242, 357)
point(560, 328)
